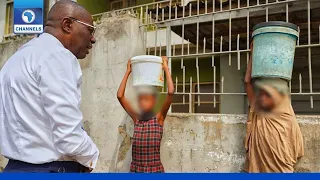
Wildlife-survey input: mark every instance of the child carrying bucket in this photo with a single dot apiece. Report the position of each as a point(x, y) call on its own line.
point(273, 142)
point(148, 125)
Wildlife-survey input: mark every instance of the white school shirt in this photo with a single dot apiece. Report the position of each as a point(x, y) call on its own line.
point(40, 117)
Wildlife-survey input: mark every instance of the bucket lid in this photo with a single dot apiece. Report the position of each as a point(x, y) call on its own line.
point(276, 23)
point(146, 58)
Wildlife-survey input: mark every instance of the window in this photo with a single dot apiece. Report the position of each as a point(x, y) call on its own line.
point(9, 17)
point(120, 4)
point(181, 102)
point(189, 103)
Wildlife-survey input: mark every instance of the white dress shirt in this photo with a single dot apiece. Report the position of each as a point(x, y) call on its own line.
point(40, 119)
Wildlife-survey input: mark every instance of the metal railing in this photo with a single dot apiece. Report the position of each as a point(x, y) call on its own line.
point(168, 14)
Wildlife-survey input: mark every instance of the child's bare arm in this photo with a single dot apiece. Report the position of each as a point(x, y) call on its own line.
point(247, 80)
point(121, 91)
point(168, 101)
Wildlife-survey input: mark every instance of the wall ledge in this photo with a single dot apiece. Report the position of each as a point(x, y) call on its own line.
point(239, 118)
point(14, 37)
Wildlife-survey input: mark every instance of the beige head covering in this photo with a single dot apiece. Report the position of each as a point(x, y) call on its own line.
point(280, 85)
point(278, 90)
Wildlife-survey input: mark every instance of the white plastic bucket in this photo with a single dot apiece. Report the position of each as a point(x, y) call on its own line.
point(147, 70)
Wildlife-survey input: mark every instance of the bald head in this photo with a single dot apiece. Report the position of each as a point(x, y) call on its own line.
point(72, 25)
point(66, 8)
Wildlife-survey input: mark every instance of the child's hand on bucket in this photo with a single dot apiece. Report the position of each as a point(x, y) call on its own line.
point(129, 66)
point(164, 62)
point(251, 46)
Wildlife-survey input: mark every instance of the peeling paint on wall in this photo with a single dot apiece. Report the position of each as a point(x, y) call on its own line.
point(125, 144)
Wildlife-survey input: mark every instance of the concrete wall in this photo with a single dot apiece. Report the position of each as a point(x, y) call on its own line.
point(3, 6)
point(215, 143)
point(191, 143)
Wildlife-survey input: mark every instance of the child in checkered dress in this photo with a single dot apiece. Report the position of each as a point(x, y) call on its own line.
point(148, 126)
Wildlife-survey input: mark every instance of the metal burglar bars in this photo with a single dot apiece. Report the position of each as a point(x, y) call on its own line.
point(230, 23)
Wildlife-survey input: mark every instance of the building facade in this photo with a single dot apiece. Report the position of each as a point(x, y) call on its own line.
point(210, 55)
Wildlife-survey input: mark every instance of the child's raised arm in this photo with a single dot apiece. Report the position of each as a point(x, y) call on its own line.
point(121, 91)
point(170, 85)
point(247, 79)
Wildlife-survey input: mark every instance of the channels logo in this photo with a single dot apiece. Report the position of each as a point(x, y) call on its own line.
point(28, 17)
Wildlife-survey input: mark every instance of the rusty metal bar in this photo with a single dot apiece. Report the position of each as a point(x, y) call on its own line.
point(300, 83)
point(176, 12)
point(190, 96)
point(248, 33)
point(157, 12)
point(222, 81)
point(204, 45)
point(214, 85)
point(238, 49)
point(287, 12)
point(230, 36)
point(155, 41)
point(176, 84)
point(198, 82)
point(206, 6)
point(163, 15)
point(309, 53)
point(184, 83)
point(213, 37)
point(170, 5)
point(174, 48)
point(198, 7)
point(183, 8)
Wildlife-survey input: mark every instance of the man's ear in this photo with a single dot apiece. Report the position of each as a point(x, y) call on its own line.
point(66, 25)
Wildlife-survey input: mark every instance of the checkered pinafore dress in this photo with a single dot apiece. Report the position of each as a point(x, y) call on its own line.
point(146, 147)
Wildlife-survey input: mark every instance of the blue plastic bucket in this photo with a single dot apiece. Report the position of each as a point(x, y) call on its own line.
point(274, 49)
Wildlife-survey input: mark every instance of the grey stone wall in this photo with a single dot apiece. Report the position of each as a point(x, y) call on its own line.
point(215, 143)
